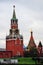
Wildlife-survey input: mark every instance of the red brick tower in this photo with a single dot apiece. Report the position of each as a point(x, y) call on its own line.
point(14, 41)
point(31, 42)
point(40, 48)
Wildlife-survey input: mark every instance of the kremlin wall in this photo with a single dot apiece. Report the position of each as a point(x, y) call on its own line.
point(14, 42)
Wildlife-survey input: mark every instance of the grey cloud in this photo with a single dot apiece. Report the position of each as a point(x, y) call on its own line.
point(36, 5)
point(30, 15)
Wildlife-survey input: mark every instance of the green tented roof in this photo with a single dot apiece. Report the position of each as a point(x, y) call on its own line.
point(14, 19)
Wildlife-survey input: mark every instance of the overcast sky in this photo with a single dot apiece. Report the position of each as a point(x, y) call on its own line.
point(30, 16)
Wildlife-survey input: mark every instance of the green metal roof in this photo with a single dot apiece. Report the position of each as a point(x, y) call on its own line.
point(14, 14)
point(14, 19)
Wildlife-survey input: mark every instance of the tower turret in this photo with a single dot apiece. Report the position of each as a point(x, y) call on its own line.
point(14, 20)
point(31, 42)
point(40, 48)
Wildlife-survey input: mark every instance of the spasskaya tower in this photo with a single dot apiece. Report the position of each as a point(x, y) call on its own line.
point(14, 41)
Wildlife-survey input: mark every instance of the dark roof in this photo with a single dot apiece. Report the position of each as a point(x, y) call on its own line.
point(40, 44)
